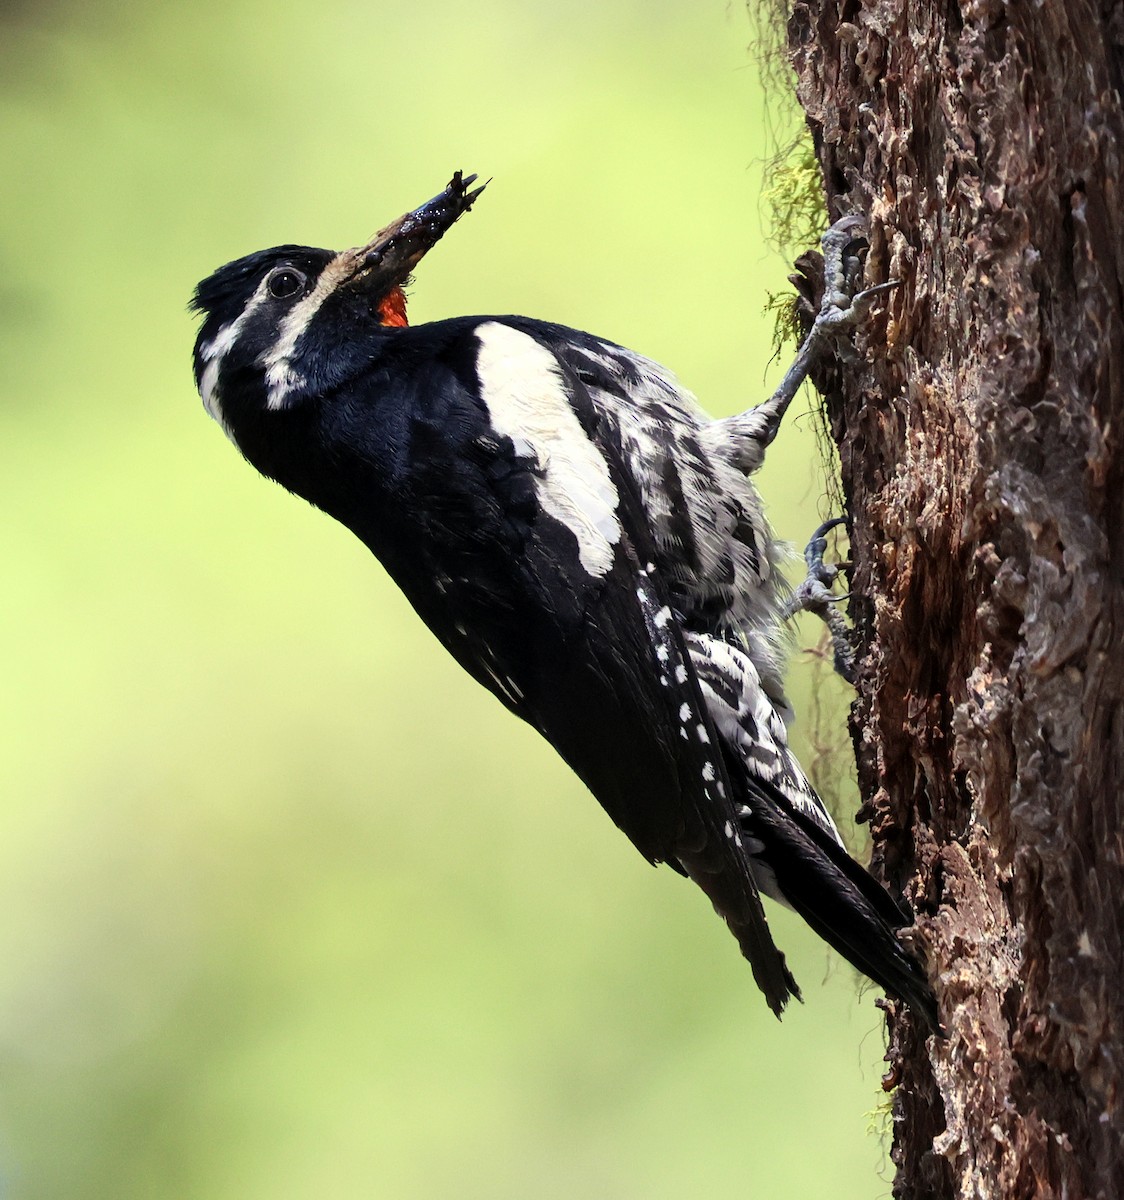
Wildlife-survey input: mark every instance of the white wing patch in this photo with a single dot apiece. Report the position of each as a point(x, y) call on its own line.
point(522, 386)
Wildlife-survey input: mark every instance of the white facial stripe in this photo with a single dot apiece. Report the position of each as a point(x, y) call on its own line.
point(279, 373)
point(214, 351)
point(522, 387)
point(212, 399)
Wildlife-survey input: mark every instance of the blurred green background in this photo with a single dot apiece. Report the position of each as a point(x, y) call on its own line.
point(288, 906)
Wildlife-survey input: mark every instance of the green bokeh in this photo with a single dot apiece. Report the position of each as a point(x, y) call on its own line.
point(289, 907)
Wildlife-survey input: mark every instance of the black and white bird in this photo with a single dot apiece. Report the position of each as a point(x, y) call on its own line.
point(582, 539)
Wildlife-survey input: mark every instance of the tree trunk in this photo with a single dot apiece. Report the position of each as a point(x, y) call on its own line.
point(982, 458)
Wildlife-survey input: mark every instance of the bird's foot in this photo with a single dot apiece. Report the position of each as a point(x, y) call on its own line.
point(814, 595)
point(844, 308)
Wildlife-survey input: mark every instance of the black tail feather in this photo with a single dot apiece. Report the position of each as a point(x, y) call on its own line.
point(840, 900)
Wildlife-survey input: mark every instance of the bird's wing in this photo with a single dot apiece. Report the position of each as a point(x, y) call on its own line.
point(712, 539)
point(573, 628)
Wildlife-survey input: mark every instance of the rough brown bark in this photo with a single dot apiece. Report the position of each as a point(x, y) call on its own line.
point(982, 458)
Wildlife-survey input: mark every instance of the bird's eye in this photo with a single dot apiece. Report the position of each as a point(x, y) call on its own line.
point(283, 282)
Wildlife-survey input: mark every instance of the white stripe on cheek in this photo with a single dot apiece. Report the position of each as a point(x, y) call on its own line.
point(209, 389)
point(522, 387)
point(214, 351)
point(280, 375)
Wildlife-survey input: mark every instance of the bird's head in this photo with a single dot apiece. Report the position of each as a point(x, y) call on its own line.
point(291, 322)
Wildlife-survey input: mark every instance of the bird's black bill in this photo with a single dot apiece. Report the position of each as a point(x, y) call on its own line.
point(397, 249)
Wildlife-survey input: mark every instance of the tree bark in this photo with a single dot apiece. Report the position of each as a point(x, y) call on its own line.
point(982, 459)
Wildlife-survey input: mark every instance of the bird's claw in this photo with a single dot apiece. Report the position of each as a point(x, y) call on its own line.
point(844, 307)
point(814, 595)
point(825, 573)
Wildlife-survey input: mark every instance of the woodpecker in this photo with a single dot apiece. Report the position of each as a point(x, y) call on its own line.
point(581, 538)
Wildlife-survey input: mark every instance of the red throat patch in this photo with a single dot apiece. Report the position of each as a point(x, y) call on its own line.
point(392, 308)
